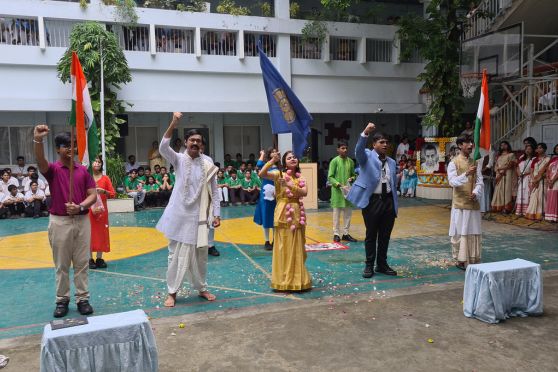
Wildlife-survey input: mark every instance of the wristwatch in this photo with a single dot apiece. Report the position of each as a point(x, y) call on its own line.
point(81, 208)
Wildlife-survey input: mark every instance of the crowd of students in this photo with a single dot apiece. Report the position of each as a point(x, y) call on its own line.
point(23, 193)
point(238, 182)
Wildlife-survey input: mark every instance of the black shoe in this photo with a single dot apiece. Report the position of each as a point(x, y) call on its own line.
point(461, 266)
point(268, 246)
point(100, 263)
point(212, 251)
point(92, 264)
point(368, 272)
point(61, 309)
point(386, 270)
point(336, 239)
point(348, 238)
point(84, 307)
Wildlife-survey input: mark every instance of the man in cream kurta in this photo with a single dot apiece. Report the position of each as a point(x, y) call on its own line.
point(193, 206)
point(465, 224)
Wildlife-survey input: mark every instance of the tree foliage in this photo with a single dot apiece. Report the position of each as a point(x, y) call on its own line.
point(437, 39)
point(86, 40)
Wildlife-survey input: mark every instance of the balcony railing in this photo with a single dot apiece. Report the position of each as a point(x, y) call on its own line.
point(19, 31)
point(132, 38)
point(310, 49)
point(343, 49)
point(269, 44)
point(172, 40)
point(221, 43)
point(483, 17)
point(378, 50)
point(58, 32)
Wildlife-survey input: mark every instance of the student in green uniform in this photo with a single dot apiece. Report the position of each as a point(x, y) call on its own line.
point(151, 192)
point(234, 187)
point(157, 174)
point(141, 175)
point(165, 190)
point(250, 191)
point(134, 188)
point(341, 174)
point(223, 188)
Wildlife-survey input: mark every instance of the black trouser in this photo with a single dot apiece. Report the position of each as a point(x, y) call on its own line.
point(151, 199)
point(34, 208)
point(164, 196)
point(379, 218)
point(16, 208)
point(235, 195)
point(249, 197)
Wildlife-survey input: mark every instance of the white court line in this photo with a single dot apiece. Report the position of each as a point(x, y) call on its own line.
point(291, 297)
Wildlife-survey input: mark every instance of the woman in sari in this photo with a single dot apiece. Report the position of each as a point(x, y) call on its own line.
point(155, 157)
point(538, 185)
point(289, 272)
point(551, 212)
point(502, 201)
point(524, 170)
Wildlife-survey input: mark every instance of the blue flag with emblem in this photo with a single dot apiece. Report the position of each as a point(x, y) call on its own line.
point(286, 112)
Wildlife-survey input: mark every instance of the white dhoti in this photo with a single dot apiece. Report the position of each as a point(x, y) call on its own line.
point(186, 259)
point(465, 232)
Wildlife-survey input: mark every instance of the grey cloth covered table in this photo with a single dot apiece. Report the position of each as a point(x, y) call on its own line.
point(498, 290)
point(114, 342)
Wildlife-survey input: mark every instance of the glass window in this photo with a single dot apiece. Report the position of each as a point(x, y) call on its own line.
point(21, 144)
point(242, 139)
point(4, 150)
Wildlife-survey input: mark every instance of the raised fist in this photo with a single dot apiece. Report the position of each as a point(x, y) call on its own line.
point(369, 128)
point(40, 131)
point(176, 116)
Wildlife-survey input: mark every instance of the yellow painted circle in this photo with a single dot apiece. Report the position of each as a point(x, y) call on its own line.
point(32, 250)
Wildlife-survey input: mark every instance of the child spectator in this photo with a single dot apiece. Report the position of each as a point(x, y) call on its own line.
point(234, 187)
point(134, 189)
point(250, 191)
point(410, 179)
point(34, 200)
point(165, 189)
point(151, 189)
point(13, 200)
point(223, 188)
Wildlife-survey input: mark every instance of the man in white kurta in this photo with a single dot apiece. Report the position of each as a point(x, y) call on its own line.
point(193, 206)
point(465, 224)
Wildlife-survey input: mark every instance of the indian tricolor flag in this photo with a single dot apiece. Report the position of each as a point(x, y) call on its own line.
point(82, 116)
point(482, 123)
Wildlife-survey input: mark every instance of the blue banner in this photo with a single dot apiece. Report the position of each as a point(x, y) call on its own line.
point(286, 112)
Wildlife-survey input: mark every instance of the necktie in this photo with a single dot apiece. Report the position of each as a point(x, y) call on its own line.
point(384, 184)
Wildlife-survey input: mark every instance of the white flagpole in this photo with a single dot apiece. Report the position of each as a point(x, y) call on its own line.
point(102, 98)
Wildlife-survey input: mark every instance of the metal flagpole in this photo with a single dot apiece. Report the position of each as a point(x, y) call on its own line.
point(102, 98)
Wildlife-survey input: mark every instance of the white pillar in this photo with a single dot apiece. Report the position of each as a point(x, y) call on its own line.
point(285, 142)
point(281, 8)
point(218, 139)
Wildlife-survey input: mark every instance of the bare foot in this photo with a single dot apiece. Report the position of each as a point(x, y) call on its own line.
point(170, 300)
point(208, 296)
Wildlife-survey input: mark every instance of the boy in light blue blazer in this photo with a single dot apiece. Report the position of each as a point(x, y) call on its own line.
point(375, 193)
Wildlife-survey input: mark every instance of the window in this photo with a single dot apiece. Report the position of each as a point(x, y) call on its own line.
point(310, 49)
point(242, 139)
point(378, 50)
point(16, 141)
point(138, 142)
point(343, 49)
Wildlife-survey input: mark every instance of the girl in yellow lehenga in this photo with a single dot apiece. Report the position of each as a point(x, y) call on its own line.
point(538, 185)
point(504, 190)
point(289, 255)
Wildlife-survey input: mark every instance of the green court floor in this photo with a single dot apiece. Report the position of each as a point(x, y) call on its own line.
point(239, 277)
